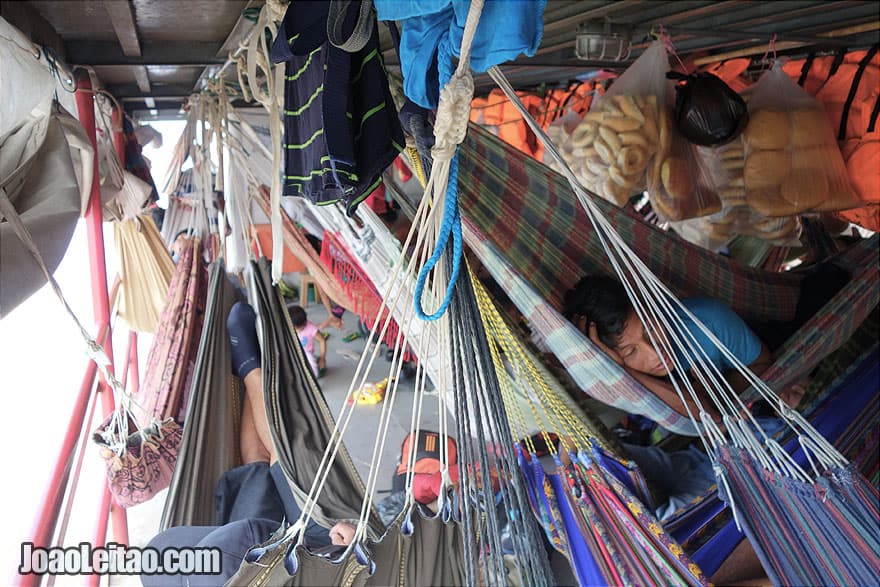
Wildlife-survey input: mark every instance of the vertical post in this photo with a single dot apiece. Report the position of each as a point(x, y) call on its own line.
point(135, 385)
point(85, 104)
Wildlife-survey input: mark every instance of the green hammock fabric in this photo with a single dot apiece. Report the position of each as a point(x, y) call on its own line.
point(429, 555)
point(299, 419)
point(210, 445)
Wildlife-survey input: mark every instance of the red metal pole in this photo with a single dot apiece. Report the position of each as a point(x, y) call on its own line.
point(85, 104)
point(47, 517)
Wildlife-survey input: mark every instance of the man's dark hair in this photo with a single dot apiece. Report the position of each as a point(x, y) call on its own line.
point(297, 316)
point(185, 231)
point(603, 301)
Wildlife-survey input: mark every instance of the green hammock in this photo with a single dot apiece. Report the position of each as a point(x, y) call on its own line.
point(210, 441)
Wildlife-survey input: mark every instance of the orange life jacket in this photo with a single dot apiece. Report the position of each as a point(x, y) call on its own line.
point(848, 87)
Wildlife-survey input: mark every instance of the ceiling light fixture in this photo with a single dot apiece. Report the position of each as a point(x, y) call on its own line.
point(600, 40)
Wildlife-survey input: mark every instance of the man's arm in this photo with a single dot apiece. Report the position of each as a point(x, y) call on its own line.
point(665, 391)
point(758, 366)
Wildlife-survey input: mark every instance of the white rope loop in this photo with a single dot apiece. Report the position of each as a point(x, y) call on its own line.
point(453, 112)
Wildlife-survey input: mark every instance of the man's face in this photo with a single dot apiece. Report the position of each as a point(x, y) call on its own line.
point(636, 350)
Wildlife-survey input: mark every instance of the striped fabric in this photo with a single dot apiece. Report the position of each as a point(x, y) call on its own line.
point(596, 374)
point(834, 520)
point(602, 529)
point(827, 330)
point(340, 126)
point(531, 215)
point(176, 342)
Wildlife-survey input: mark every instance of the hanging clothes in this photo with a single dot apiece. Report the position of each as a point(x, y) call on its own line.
point(340, 125)
point(506, 29)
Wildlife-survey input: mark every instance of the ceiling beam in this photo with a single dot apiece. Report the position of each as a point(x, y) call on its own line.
point(159, 91)
point(121, 15)
point(195, 53)
point(143, 79)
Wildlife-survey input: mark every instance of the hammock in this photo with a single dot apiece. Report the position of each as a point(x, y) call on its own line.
point(656, 307)
point(300, 420)
point(705, 528)
point(427, 553)
point(364, 296)
point(38, 179)
point(597, 521)
point(173, 352)
point(145, 269)
point(210, 433)
point(406, 553)
point(530, 214)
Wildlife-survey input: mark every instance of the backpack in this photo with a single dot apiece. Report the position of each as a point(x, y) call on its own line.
point(427, 447)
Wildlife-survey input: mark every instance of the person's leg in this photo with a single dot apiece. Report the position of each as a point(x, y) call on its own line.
point(334, 315)
point(253, 388)
point(232, 542)
point(252, 448)
point(255, 439)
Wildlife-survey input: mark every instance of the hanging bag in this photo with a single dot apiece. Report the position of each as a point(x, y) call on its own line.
point(610, 149)
point(139, 461)
point(791, 160)
point(707, 111)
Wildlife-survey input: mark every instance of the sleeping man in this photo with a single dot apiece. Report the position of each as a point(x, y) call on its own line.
point(599, 306)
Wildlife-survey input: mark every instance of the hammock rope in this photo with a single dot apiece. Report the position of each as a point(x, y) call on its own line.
point(450, 127)
point(653, 302)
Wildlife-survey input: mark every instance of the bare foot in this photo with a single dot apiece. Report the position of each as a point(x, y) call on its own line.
point(333, 321)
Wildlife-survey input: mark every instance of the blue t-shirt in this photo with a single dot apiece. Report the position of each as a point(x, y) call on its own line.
point(727, 327)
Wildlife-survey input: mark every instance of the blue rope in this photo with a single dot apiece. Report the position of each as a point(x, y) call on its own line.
point(451, 215)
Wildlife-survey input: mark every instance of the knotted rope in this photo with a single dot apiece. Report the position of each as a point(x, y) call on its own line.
point(449, 130)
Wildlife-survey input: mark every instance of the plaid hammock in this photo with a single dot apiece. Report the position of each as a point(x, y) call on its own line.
point(858, 298)
point(530, 214)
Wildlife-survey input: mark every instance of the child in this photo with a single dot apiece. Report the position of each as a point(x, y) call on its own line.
point(309, 334)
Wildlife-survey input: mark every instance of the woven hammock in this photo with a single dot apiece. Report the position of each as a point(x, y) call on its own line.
point(299, 419)
point(145, 269)
point(173, 352)
point(405, 553)
point(741, 435)
point(528, 211)
point(598, 521)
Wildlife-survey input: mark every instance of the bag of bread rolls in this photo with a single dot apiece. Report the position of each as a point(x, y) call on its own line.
point(682, 180)
point(613, 144)
point(792, 163)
